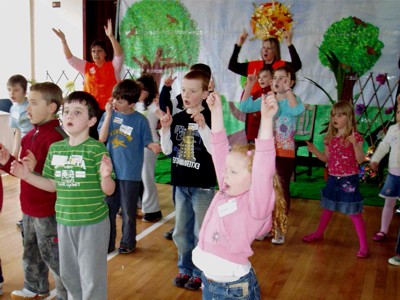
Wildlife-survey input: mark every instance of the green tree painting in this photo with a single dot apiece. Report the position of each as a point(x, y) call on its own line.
point(157, 35)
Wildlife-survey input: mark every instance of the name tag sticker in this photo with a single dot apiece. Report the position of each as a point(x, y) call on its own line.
point(227, 208)
point(59, 160)
point(117, 120)
point(193, 126)
point(126, 129)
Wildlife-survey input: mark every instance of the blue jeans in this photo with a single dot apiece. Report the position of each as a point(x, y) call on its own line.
point(191, 204)
point(244, 288)
point(126, 196)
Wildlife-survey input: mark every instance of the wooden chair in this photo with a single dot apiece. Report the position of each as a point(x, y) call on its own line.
point(305, 132)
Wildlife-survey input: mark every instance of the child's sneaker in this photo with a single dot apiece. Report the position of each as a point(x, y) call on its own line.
point(125, 250)
point(193, 284)
point(395, 260)
point(27, 294)
point(279, 240)
point(181, 280)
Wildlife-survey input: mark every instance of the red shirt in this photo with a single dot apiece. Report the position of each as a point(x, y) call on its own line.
point(36, 202)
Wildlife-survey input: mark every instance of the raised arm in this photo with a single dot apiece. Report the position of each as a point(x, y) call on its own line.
point(234, 65)
point(251, 80)
point(115, 44)
point(61, 35)
point(269, 107)
point(105, 124)
point(296, 62)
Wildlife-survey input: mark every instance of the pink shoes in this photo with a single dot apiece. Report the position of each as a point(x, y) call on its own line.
point(380, 236)
point(312, 237)
point(363, 253)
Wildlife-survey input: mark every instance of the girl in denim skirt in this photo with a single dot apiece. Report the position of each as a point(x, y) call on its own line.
point(343, 151)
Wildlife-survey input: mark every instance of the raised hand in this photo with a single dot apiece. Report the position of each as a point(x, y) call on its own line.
point(106, 166)
point(169, 80)
point(252, 78)
point(214, 101)
point(287, 37)
point(198, 117)
point(109, 107)
point(311, 148)
point(20, 170)
point(108, 29)
point(166, 120)
point(269, 105)
point(242, 37)
point(60, 34)
point(30, 160)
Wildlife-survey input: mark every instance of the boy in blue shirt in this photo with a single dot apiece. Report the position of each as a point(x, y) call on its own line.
point(127, 133)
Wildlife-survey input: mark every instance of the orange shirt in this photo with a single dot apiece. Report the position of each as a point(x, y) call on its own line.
point(99, 81)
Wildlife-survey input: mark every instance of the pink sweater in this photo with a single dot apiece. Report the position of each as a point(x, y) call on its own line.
point(230, 237)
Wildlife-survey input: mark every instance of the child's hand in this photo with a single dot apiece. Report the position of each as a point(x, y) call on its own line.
point(352, 138)
point(287, 37)
point(211, 85)
point(242, 37)
point(198, 117)
point(30, 160)
point(374, 166)
point(109, 108)
point(106, 166)
point(311, 147)
point(251, 78)
point(214, 101)
point(60, 34)
point(166, 120)
point(108, 29)
point(155, 147)
point(269, 105)
point(20, 170)
point(4, 155)
point(169, 80)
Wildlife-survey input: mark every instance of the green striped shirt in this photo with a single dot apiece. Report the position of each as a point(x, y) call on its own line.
point(76, 171)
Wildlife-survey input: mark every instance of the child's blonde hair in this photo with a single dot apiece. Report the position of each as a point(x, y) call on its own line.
point(345, 108)
point(247, 150)
point(279, 216)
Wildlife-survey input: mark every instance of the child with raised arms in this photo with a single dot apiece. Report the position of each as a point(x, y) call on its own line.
point(241, 210)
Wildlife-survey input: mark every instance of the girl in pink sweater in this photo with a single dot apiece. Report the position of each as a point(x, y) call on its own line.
point(240, 211)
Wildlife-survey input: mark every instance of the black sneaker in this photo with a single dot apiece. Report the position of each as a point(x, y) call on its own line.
point(125, 250)
point(152, 217)
point(181, 280)
point(168, 235)
point(193, 284)
point(20, 225)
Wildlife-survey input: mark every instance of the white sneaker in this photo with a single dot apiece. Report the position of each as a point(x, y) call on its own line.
point(262, 237)
point(279, 241)
point(27, 294)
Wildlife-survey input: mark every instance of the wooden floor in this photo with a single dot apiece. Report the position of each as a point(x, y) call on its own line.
point(295, 270)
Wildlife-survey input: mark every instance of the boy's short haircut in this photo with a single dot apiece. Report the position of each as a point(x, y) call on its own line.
point(127, 89)
point(18, 79)
point(50, 92)
point(201, 67)
point(87, 99)
point(199, 75)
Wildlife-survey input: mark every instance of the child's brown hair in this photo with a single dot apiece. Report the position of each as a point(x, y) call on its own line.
point(199, 75)
point(50, 92)
point(345, 108)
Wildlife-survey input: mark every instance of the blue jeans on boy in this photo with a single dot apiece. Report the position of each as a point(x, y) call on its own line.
point(191, 204)
point(244, 288)
point(126, 196)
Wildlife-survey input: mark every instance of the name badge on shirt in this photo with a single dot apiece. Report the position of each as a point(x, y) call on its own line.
point(193, 126)
point(227, 208)
point(59, 160)
point(126, 129)
point(117, 120)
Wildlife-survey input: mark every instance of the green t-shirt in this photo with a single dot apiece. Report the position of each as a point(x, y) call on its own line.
point(76, 171)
